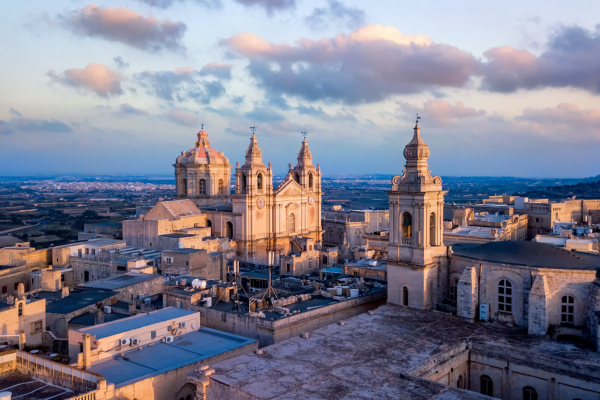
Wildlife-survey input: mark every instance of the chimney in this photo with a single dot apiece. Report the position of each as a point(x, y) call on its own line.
point(20, 290)
point(65, 291)
point(87, 350)
point(98, 317)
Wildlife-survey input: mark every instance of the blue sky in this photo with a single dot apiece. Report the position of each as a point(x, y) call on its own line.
point(507, 88)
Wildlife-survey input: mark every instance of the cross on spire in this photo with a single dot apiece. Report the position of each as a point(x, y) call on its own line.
point(418, 118)
point(304, 133)
point(202, 126)
point(253, 129)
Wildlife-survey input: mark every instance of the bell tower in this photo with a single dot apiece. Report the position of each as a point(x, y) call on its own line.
point(416, 251)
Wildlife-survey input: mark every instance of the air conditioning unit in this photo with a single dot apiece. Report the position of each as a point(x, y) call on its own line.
point(107, 309)
point(484, 310)
point(141, 296)
point(124, 341)
point(147, 301)
point(135, 341)
point(182, 324)
point(169, 339)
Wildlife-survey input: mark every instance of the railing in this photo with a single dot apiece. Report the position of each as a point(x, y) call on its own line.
point(407, 241)
point(87, 396)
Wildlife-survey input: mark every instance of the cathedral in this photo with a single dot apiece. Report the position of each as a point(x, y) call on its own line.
point(258, 216)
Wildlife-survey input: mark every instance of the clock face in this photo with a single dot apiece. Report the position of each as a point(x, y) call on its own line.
point(311, 200)
point(260, 203)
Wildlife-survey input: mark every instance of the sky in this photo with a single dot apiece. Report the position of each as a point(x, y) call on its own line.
point(122, 87)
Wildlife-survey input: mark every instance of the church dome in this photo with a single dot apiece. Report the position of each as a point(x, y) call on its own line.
point(202, 154)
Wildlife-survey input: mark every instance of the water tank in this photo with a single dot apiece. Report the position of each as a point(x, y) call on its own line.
point(5, 395)
point(182, 282)
point(373, 263)
point(353, 292)
point(180, 245)
point(199, 283)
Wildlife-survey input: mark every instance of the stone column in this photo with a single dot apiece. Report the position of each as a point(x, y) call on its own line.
point(539, 303)
point(22, 340)
point(467, 294)
point(87, 350)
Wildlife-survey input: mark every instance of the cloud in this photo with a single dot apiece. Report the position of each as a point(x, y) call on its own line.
point(352, 17)
point(570, 60)
point(370, 64)
point(264, 114)
point(440, 112)
point(94, 77)
point(126, 26)
point(182, 117)
point(168, 3)
point(120, 63)
point(180, 85)
point(220, 71)
point(18, 123)
point(128, 109)
point(564, 116)
point(269, 5)
point(318, 112)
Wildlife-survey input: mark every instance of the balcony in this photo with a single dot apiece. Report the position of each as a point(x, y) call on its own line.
point(406, 241)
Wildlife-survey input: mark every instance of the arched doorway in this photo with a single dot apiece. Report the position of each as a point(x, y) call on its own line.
point(229, 230)
point(209, 225)
point(86, 276)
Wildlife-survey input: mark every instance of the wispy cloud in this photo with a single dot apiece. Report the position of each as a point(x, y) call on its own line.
point(181, 116)
point(17, 123)
point(270, 6)
point(335, 11)
point(95, 77)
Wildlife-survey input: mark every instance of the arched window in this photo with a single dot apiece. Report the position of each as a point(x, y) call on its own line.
point(432, 229)
point(324, 260)
point(310, 180)
point(243, 183)
point(221, 187)
point(296, 177)
point(292, 223)
point(209, 225)
point(20, 309)
point(405, 296)
point(529, 393)
point(406, 225)
point(184, 184)
point(505, 296)
point(202, 186)
point(486, 385)
point(567, 310)
point(229, 230)
point(453, 295)
point(259, 183)
point(459, 382)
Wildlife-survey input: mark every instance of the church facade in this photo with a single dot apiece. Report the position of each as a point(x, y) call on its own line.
point(257, 215)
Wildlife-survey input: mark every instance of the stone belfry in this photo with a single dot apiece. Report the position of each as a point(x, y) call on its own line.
point(416, 251)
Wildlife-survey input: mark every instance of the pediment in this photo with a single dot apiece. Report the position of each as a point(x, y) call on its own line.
point(290, 188)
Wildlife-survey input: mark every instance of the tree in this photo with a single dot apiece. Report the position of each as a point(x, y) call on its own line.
point(90, 214)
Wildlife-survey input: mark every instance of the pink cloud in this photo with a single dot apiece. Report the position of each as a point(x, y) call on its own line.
point(440, 112)
point(182, 117)
point(94, 77)
point(126, 26)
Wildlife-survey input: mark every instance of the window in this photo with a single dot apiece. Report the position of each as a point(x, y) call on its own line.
point(486, 385)
point(537, 220)
point(287, 267)
point(296, 177)
point(229, 230)
point(567, 310)
point(310, 181)
point(202, 186)
point(16, 286)
point(184, 184)
point(459, 382)
point(405, 296)
point(453, 295)
point(169, 260)
point(259, 181)
point(4, 289)
point(292, 223)
point(86, 276)
point(152, 334)
point(87, 251)
point(243, 183)
point(407, 225)
point(20, 309)
point(36, 327)
point(93, 252)
point(505, 296)
point(432, 229)
point(221, 187)
point(529, 393)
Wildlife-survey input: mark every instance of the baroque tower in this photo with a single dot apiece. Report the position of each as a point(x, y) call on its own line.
point(416, 251)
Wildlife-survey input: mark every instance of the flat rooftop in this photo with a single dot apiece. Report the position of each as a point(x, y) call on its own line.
point(222, 207)
point(530, 254)
point(25, 387)
point(365, 263)
point(183, 251)
point(473, 231)
point(177, 235)
point(378, 356)
point(119, 281)
point(88, 319)
point(135, 322)
point(162, 357)
point(74, 301)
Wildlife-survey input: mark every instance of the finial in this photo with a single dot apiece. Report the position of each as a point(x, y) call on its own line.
point(304, 134)
point(253, 129)
point(418, 118)
point(269, 164)
point(237, 164)
point(202, 125)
